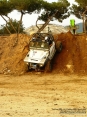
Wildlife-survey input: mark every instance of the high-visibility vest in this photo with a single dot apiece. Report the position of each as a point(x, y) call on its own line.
point(72, 22)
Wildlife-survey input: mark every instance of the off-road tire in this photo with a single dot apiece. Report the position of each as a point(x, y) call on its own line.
point(37, 68)
point(58, 46)
point(29, 67)
point(48, 66)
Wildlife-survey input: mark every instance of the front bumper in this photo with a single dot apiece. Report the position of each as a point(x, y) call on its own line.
point(34, 65)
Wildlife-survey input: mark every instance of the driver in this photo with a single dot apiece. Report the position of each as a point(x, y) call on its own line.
point(48, 40)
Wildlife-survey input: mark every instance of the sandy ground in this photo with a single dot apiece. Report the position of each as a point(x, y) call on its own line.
point(43, 95)
point(60, 93)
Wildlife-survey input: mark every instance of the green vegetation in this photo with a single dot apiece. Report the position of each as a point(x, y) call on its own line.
point(32, 6)
point(7, 29)
point(80, 11)
point(59, 10)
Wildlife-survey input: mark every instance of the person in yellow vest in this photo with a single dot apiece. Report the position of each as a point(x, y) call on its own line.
point(73, 26)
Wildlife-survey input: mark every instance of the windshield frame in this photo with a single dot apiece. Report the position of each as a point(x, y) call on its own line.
point(38, 45)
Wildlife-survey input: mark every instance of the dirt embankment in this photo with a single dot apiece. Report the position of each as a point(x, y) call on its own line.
point(72, 59)
point(12, 53)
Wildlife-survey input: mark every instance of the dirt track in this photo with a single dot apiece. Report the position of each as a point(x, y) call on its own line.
point(43, 95)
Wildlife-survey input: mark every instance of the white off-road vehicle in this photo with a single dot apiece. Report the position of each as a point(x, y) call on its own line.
point(42, 49)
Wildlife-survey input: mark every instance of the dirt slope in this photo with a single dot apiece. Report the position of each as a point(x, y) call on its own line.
point(12, 53)
point(72, 59)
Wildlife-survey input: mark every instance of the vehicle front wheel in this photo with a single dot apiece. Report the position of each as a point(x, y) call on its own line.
point(37, 68)
point(29, 67)
point(59, 46)
point(48, 66)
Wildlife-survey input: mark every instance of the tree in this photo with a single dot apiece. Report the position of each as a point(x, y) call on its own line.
point(5, 9)
point(23, 6)
point(81, 2)
point(80, 11)
point(50, 8)
point(26, 6)
point(4, 28)
point(57, 10)
point(35, 6)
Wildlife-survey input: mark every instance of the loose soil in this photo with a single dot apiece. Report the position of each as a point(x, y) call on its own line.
point(43, 95)
point(72, 59)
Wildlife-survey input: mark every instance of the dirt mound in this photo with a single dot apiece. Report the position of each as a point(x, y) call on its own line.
point(12, 53)
point(72, 59)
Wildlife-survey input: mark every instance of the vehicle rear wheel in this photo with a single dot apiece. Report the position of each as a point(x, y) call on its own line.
point(58, 46)
point(48, 66)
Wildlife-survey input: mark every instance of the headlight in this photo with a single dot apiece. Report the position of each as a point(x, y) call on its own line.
point(41, 65)
point(27, 63)
point(44, 57)
point(27, 55)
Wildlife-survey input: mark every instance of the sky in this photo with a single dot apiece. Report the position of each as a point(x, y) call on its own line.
point(29, 20)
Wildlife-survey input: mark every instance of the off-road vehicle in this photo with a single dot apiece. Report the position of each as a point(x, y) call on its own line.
point(42, 49)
